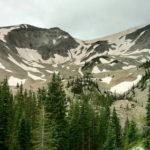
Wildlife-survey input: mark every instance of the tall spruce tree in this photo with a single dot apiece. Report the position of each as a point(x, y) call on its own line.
point(86, 119)
point(147, 131)
point(117, 127)
point(103, 127)
point(148, 110)
point(132, 134)
point(6, 115)
point(110, 143)
point(75, 127)
point(56, 109)
point(24, 134)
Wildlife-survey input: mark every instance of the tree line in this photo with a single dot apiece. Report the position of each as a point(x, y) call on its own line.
point(47, 120)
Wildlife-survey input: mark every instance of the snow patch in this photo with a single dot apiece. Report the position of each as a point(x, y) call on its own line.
point(125, 86)
point(21, 65)
point(42, 76)
point(107, 80)
point(55, 65)
point(4, 32)
point(128, 67)
point(104, 61)
point(105, 70)
point(35, 77)
point(68, 67)
point(65, 37)
point(1, 66)
point(112, 64)
point(60, 59)
point(50, 71)
point(96, 70)
point(81, 73)
point(143, 60)
point(54, 41)
point(12, 81)
point(33, 64)
point(126, 63)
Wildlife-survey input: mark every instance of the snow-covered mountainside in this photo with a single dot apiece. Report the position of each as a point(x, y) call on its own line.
point(30, 55)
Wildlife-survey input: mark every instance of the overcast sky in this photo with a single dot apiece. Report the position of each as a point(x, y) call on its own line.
point(83, 19)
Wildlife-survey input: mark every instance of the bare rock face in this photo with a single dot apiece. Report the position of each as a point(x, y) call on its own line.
point(142, 38)
point(47, 41)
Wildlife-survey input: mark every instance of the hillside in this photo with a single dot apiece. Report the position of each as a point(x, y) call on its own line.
point(31, 55)
point(62, 93)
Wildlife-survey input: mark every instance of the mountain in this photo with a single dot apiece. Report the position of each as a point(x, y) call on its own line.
point(104, 101)
point(31, 55)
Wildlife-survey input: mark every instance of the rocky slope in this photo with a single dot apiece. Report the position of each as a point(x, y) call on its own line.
point(31, 55)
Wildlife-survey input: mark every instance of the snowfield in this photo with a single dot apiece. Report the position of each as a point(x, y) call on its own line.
point(21, 65)
point(35, 77)
point(49, 71)
point(55, 65)
point(104, 61)
point(96, 70)
point(107, 80)
point(1, 66)
point(125, 86)
point(12, 81)
point(128, 67)
point(4, 32)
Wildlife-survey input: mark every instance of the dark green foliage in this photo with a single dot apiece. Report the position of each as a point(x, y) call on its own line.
point(146, 64)
point(56, 109)
point(147, 143)
point(6, 116)
point(117, 128)
point(148, 110)
point(132, 134)
point(24, 134)
point(83, 126)
point(75, 127)
point(126, 127)
point(143, 82)
point(103, 125)
point(82, 85)
point(110, 143)
point(43, 120)
point(147, 128)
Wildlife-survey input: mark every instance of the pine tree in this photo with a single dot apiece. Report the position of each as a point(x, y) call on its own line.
point(117, 127)
point(24, 134)
point(148, 110)
point(132, 134)
point(110, 143)
point(147, 131)
point(40, 133)
point(86, 124)
point(56, 109)
point(103, 127)
point(75, 127)
point(6, 115)
point(126, 127)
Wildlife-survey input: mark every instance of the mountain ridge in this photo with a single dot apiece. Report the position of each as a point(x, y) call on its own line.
point(33, 54)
